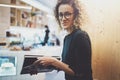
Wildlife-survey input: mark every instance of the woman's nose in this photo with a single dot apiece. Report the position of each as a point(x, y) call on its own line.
point(63, 18)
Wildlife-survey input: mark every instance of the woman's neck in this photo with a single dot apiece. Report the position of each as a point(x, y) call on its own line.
point(69, 30)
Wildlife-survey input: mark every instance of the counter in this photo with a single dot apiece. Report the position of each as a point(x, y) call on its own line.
point(46, 51)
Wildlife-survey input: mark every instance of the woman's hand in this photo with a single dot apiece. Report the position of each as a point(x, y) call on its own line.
point(45, 61)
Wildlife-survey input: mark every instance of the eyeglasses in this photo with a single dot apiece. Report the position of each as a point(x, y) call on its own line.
point(67, 15)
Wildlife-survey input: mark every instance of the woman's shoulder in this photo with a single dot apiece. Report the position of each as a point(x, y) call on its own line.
point(80, 34)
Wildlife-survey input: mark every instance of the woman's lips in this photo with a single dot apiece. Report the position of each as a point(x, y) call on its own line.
point(64, 23)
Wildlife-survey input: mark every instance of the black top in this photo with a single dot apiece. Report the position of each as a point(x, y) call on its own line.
point(46, 35)
point(77, 54)
point(47, 31)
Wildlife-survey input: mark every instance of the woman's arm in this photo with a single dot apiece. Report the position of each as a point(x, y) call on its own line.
point(63, 67)
point(46, 61)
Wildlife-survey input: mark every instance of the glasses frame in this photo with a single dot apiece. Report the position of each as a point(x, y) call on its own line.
point(66, 15)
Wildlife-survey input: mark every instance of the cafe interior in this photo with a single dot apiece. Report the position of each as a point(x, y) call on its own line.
point(22, 32)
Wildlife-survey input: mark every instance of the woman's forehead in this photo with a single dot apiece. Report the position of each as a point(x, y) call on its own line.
point(65, 7)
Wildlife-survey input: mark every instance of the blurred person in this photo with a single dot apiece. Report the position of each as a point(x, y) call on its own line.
point(76, 54)
point(46, 38)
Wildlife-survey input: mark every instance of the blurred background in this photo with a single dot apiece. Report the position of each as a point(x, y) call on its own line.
point(22, 31)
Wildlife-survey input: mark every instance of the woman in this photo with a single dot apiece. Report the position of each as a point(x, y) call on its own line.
point(76, 55)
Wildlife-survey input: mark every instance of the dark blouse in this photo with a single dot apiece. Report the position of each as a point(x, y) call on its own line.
point(77, 54)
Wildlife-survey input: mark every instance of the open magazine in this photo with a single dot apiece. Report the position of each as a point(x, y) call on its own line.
point(28, 64)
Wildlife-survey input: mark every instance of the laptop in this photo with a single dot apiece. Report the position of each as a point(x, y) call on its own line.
point(28, 64)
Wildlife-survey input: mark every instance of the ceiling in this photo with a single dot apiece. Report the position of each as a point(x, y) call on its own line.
point(48, 3)
point(44, 5)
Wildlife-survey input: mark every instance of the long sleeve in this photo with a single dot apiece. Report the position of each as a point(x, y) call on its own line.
point(79, 56)
point(82, 54)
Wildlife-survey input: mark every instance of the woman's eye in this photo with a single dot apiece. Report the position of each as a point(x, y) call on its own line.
point(67, 14)
point(60, 14)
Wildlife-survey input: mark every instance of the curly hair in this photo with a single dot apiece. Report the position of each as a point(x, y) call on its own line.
point(78, 19)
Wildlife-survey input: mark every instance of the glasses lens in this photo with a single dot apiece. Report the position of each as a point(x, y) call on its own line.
point(67, 14)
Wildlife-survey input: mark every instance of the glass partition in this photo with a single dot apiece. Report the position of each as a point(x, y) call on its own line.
point(8, 65)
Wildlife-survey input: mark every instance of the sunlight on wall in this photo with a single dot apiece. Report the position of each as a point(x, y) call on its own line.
point(104, 30)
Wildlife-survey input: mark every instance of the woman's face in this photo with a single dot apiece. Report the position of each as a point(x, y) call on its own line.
point(66, 15)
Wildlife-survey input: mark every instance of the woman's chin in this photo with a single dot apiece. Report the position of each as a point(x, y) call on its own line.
point(65, 27)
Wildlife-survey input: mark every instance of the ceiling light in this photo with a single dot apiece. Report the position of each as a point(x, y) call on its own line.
point(16, 6)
